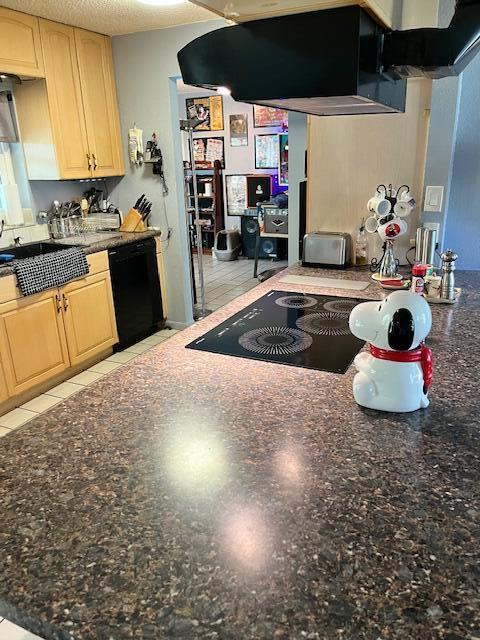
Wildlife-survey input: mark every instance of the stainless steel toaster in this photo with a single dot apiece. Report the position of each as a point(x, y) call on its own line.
point(327, 249)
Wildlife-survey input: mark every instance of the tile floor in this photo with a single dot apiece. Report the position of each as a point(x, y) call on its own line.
point(225, 281)
point(45, 401)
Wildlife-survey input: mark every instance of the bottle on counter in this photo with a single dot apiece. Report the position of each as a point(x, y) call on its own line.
point(419, 273)
point(361, 246)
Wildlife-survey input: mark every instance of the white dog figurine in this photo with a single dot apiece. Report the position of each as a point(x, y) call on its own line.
point(396, 372)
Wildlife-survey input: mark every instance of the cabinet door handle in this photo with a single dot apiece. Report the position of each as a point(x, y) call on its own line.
point(95, 163)
point(59, 304)
point(65, 302)
point(89, 161)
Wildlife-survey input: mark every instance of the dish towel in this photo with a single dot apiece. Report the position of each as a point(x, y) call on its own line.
point(50, 270)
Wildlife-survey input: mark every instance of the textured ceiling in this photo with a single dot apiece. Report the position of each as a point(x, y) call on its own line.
point(112, 17)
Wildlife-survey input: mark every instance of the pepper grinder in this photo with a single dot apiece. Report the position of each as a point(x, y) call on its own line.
point(447, 289)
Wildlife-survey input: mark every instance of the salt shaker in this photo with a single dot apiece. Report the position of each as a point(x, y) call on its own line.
point(447, 289)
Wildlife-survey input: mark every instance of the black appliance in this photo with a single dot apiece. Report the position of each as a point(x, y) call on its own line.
point(301, 330)
point(275, 248)
point(136, 290)
point(337, 62)
point(259, 189)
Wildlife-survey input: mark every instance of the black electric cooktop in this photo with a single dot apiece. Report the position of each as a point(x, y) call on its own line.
point(301, 330)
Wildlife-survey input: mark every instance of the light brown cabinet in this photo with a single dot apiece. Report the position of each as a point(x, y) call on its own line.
point(69, 122)
point(89, 317)
point(254, 10)
point(64, 97)
point(95, 64)
point(20, 50)
point(32, 340)
point(43, 335)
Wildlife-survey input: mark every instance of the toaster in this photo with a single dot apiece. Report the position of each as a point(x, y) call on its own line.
point(327, 249)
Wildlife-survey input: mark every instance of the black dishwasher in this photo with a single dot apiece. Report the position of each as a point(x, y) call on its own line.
point(136, 290)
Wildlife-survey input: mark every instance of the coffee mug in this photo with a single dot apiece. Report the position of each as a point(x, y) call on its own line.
point(393, 229)
point(379, 206)
point(402, 209)
point(433, 285)
point(371, 224)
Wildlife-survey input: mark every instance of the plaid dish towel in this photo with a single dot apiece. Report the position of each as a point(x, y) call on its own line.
point(50, 270)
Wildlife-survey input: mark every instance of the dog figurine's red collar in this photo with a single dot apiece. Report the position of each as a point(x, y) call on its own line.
point(423, 355)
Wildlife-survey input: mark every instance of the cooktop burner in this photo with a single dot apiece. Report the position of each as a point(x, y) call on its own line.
point(324, 324)
point(275, 340)
point(296, 302)
point(289, 328)
point(340, 305)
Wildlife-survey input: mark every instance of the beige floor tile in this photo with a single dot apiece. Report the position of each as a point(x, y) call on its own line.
point(154, 340)
point(167, 333)
point(86, 377)
point(138, 348)
point(16, 418)
point(105, 367)
point(41, 403)
point(122, 357)
point(64, 390)
point(10, 631)
point(4, 431)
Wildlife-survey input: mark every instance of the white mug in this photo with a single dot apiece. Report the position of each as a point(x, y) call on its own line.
point(393, 229)
point(402, 209)
point(371, 224)
point(379, 206)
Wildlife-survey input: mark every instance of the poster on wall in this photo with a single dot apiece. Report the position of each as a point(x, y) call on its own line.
point(269, 117)
point(266, 151)
point(283, 160)
point(206, 151)
point(236, 195)
point(209, 110)
point(238, 130)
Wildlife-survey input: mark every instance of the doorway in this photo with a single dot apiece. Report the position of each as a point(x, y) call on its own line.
point(241, 159)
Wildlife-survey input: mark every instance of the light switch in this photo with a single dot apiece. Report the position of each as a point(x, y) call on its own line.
point(434, 199)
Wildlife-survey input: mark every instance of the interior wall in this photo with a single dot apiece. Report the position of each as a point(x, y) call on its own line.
point(144, 65)
point(238, 160)
point(442, 134)
point(350, 155)
point(462, 230)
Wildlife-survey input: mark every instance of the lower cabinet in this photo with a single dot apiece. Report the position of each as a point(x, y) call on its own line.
point(43, 335)
point(32, 340)
point(89, 316)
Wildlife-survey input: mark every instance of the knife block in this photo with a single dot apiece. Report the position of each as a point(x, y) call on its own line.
point(133, 222)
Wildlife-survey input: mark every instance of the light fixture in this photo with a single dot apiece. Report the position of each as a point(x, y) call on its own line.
point(162, 3)
point(224, 91)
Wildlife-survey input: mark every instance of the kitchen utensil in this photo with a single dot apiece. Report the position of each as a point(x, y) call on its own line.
point(447, 289)
point(327, 249)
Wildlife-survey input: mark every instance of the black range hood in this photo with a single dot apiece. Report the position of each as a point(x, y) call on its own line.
point(329, 62)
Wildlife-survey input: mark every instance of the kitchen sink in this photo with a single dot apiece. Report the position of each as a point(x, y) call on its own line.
point(35, 249)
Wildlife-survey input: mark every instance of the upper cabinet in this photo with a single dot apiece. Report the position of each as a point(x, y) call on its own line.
point(97, 81)
point(246, 10)
point(64, 99)
point(69, 122)
point(20, 50)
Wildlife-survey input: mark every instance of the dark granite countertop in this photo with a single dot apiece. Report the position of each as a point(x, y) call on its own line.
point(192, 495)
point(102, 245)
